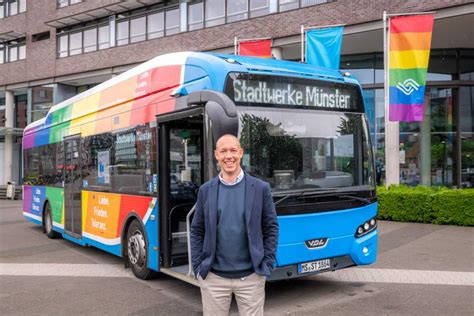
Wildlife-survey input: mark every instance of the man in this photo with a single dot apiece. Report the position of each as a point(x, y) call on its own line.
point(233, 235)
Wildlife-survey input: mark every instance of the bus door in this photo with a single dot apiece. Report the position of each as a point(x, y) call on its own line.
point(72, 186)
point(181, 173)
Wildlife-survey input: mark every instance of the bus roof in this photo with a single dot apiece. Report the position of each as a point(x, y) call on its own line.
point(166, 75)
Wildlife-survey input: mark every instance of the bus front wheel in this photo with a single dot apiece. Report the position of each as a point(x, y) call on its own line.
point(137, 254)
point(48, 222)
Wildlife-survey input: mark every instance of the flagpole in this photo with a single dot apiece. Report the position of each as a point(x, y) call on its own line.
point(235, 45)
point(302, 43)
point(385, 89)
point(392, 129)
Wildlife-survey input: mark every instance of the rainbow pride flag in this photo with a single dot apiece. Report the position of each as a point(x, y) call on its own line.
point(410, 42)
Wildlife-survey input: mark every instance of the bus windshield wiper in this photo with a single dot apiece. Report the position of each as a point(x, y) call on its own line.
point(301, 193)
point(329, 194)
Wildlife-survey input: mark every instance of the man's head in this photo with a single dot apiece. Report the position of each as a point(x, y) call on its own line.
point(228, 154)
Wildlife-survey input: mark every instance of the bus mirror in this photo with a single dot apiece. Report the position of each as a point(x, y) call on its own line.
point(222, 124)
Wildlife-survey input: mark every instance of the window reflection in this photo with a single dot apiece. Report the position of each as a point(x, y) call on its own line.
point(196, 16)
point(237, 10)
point(172, 22)
point(138, 30)
point(293, 149)
point(259, 8)
point(215, 12)
point(156, 25)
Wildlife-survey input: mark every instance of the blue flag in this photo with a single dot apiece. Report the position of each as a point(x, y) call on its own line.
point(323, 47)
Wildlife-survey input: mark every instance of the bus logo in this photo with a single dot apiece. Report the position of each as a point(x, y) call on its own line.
point(316, 243)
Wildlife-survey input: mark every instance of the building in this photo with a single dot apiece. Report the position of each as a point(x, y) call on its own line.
point(51, 50)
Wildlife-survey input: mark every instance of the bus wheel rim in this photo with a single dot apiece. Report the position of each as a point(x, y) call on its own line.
point(48, 221)
point(136, 249)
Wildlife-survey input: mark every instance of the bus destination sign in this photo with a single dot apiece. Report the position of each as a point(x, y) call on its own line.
point(267, 90)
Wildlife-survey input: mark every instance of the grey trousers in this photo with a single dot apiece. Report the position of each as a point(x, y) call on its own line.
point(216, 293)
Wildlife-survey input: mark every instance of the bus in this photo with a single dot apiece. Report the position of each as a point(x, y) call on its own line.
point(118, 167)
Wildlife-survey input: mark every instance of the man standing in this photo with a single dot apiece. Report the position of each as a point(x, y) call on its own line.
point(234, 235)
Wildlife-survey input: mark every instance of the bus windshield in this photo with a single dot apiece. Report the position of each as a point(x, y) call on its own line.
point(302, 134)
point(296, 149)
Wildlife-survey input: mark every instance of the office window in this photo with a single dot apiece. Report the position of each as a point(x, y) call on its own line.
point(75, 43)
point(104, 37)
point(259, 8)
point(196, 16)
point(215, 12)
point(21, 52)
point(172, 20)
point(237, 10)
point(286, 5)
point(11, 7)
point(63, 46)
point(13, 53)
point(138, 29)
point(65, 3)
point(90, 40)
point(22, 6)
point(122, 33)
point(156, 25)
point(306, 3)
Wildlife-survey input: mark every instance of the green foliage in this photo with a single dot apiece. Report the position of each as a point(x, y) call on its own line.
point(427, 205)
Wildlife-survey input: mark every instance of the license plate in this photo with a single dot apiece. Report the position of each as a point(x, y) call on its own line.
point(314, 266)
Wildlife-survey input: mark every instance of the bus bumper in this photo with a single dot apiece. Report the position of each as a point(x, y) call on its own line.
point(362, 252)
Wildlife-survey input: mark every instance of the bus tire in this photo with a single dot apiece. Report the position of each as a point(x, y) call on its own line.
point(137, 254)
point(48, 222)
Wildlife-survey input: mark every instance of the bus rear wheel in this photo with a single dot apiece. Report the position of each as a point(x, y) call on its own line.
point(48, 222)
point(137, 254)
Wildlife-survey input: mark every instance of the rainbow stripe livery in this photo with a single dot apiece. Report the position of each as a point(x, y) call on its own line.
point(410, 42)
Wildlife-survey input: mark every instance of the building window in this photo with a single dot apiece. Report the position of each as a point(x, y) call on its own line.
point(104, 37)
point(195, 16)
point(237, 10)
point(12, 51)
point(11, 7)
point(286, 5)
point(122, 33)
point(90, 40)
point(138, 29)
point(2, 53)
point(63, 46)
point(83, 41)
point(215, 12)
point(75, 43)
point(41, 102)
point(156, 25)
point(172, 21)
point(65, 3)
point(259, 8)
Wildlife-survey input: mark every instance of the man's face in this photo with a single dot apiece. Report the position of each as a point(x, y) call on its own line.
point(228, 154)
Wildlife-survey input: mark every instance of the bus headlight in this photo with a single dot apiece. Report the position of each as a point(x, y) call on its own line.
point(366, 227)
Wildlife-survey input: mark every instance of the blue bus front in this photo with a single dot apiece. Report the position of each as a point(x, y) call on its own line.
point(309, 139)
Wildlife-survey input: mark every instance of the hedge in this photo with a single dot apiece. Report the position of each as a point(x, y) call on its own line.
point(427, 205)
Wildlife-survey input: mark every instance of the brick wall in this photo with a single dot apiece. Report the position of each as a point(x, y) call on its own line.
point(41, 62)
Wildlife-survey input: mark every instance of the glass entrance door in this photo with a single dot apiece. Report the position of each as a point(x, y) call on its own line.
point(72, 187)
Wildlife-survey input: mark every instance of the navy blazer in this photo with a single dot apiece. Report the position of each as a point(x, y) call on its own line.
point(260, 217)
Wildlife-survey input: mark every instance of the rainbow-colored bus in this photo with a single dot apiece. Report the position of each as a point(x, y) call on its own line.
point(118, 167)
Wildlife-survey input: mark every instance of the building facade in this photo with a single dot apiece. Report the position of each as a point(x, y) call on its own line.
point(50, 50)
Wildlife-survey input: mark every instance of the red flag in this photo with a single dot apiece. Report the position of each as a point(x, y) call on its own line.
point(260, 48)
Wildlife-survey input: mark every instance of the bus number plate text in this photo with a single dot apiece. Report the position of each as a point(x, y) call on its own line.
point(314, 266)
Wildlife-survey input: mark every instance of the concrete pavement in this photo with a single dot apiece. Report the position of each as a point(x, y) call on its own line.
point(421, 269)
